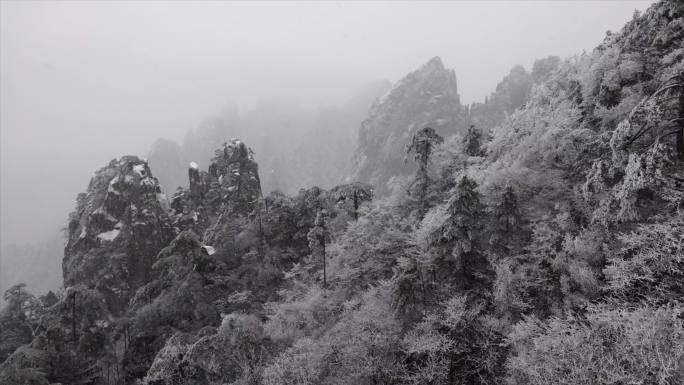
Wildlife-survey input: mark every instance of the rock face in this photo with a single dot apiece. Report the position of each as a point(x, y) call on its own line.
point(116, 231)
point(231, 186)
point(510, 94)
point(196, 276)
point(426, 97)
point(234, 178)
point(127, 248)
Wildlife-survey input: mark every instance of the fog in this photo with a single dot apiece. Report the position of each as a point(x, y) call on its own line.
point(84, 82)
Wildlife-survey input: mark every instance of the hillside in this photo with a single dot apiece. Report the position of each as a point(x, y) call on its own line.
point(534, 238)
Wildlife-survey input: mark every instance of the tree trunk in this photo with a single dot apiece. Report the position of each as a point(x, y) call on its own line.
point(356, 206)
point(322, 240)
point(325, 282)
point(680, 133)
point(424, 174)
point(73, 317)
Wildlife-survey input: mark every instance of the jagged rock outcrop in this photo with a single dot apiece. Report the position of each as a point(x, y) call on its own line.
point(119, 225)
point(234, 178)
point(168, 158)
point(211, 264)
point(230, 187)
point(199, 143)
point(196, 184)
point(510, 94)
point(426, 97)
point(198, 318)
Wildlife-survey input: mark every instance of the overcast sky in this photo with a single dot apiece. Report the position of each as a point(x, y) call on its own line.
point(84, 82)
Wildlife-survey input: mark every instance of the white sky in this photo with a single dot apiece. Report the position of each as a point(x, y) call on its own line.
point(84, 82)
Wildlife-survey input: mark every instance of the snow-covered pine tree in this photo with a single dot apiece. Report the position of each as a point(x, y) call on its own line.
point(421, 146)
point(472, 142)
point(506, 221)
point(460, 234)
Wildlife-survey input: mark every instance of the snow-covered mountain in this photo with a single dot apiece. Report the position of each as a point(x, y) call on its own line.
point(426, 97)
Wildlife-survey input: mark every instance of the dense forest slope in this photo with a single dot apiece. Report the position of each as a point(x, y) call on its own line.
point(548, 249)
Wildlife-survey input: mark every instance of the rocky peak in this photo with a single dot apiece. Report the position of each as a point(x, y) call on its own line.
point(234, 177)
point(511, 93)
point(426, 97)
point(116, 231)
point(197, 185)
point(230, 185)
point(434, 64)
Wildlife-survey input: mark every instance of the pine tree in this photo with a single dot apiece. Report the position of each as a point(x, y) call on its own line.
point(422, 144)
point(472, 142)
point(356, 193)
point(506, 221)
point(461, 231)
point(15, 328)
point(317, 237)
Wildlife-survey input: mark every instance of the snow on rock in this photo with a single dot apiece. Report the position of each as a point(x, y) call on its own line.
point(124, 194)
point(163, 201)
point(109, 235)
point(110, 188)
point(234, 166)
point(140, 170)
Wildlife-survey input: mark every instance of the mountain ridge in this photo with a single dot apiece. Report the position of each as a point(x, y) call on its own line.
point(545, 251)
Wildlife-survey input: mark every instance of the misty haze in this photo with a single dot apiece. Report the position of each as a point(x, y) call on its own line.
point(342, 192)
